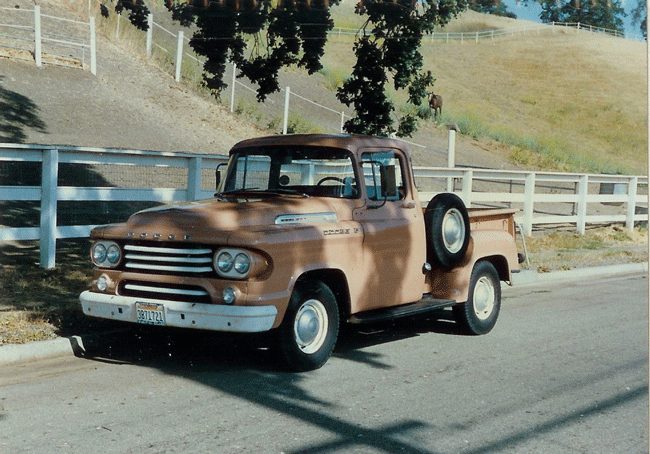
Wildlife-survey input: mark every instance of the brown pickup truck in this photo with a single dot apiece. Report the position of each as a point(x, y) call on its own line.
point(305, 232)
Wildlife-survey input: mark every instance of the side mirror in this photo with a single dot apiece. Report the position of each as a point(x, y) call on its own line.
point(217, 176)
point(388, 182)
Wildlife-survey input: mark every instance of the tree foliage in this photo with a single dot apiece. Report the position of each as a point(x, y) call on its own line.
point(137, 9)
point(258, 36)
point(494, 7)
point(606, 14)
point(387, 50)
point(263, 36)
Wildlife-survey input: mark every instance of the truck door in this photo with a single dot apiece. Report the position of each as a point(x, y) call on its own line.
point(393, 227)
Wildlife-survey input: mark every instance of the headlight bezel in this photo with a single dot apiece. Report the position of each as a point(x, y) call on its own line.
point(102, 251)
point(241, 263)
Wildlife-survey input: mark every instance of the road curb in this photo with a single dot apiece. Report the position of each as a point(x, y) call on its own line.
point(71, 346)
point(530, 277)
point(38, 350)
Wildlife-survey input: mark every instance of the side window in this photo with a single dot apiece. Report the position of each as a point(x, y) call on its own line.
point(382, 172)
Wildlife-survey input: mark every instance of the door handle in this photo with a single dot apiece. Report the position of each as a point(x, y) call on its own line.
point(408, 205)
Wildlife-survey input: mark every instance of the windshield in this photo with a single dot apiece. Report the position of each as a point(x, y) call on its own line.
point(305, 171)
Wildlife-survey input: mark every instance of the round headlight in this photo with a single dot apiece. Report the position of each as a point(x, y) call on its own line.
point(99, 253)
point(229, 296)
point(242, 263)
point(113, 254)
point(224, 262)
point(102, 283)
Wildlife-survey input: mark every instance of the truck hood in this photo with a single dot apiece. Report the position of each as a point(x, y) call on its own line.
point(212, 221)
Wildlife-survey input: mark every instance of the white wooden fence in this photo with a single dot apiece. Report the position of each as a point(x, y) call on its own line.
point(576, 194)
point(56, 39)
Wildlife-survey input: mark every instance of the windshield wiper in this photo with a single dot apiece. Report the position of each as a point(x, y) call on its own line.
point(261, 192)
point(288, 191)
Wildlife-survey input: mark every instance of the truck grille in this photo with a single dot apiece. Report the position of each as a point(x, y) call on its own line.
point(183, 261)
point(168, 292)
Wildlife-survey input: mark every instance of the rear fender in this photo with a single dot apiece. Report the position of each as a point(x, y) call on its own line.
point(497, 247)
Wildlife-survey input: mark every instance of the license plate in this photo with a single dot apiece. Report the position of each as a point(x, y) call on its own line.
point(150, 314)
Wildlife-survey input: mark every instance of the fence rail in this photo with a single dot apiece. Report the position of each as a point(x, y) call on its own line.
point(477, 36)
point(541, 197)
point(52, 39)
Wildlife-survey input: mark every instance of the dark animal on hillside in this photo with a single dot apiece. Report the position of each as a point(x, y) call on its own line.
point(435, 104)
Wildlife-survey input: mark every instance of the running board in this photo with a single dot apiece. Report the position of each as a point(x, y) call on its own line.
point(426, 304)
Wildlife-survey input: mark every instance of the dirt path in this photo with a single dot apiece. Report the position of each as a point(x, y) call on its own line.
point(130, 104)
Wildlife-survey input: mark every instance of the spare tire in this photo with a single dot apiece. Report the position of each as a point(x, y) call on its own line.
point(447, 229)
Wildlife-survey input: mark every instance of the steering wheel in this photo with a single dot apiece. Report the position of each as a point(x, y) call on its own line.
point(337, 179)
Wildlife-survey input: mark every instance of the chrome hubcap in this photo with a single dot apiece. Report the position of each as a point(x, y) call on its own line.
point(453, 230)
point(310, 327)
point(483, 298)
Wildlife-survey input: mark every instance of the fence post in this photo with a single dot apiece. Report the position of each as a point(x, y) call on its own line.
point(529, 194)
point(583, 189)
point(285, 122)
point(37, 36)
point(451, 153)
point(466, 193)
point(49, 177)
point(232, 88)
point(93, 47)
point(179, 55)
point(194, 167)
point(149, 34)
point(342, 121)
point(631, 202)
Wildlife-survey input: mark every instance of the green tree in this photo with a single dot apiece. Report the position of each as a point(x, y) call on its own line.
point(138, 11)
point(387, 49)
point(494, 7)
point(262, 37)
point(605, 14)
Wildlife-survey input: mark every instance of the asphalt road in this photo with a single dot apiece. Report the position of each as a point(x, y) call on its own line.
point(564, 371)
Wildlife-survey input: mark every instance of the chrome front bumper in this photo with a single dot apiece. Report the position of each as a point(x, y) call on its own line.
point(246, 319)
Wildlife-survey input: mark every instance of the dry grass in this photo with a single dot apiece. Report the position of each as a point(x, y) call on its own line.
point(560, 101)
point(565, 250)
point(37, 304)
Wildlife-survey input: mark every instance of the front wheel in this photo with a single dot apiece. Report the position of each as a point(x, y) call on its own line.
point(310, 327)
point(479, 314)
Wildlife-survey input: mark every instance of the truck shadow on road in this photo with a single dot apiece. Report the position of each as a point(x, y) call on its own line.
point(227, 351)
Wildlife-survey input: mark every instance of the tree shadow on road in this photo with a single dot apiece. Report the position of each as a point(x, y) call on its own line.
point(17, 113)
point(243, 366)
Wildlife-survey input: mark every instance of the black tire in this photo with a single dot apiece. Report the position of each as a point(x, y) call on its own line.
point(479, 314)
point(447, 229)
point(308, 333)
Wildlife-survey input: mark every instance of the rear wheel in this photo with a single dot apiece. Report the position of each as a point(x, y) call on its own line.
point(479, 314)
point(310, 327)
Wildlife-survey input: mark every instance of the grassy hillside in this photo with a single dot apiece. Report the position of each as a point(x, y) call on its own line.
point(555, 100)
point(564, 100)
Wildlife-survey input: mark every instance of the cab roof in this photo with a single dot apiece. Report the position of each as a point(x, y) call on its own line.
point(352, 143)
